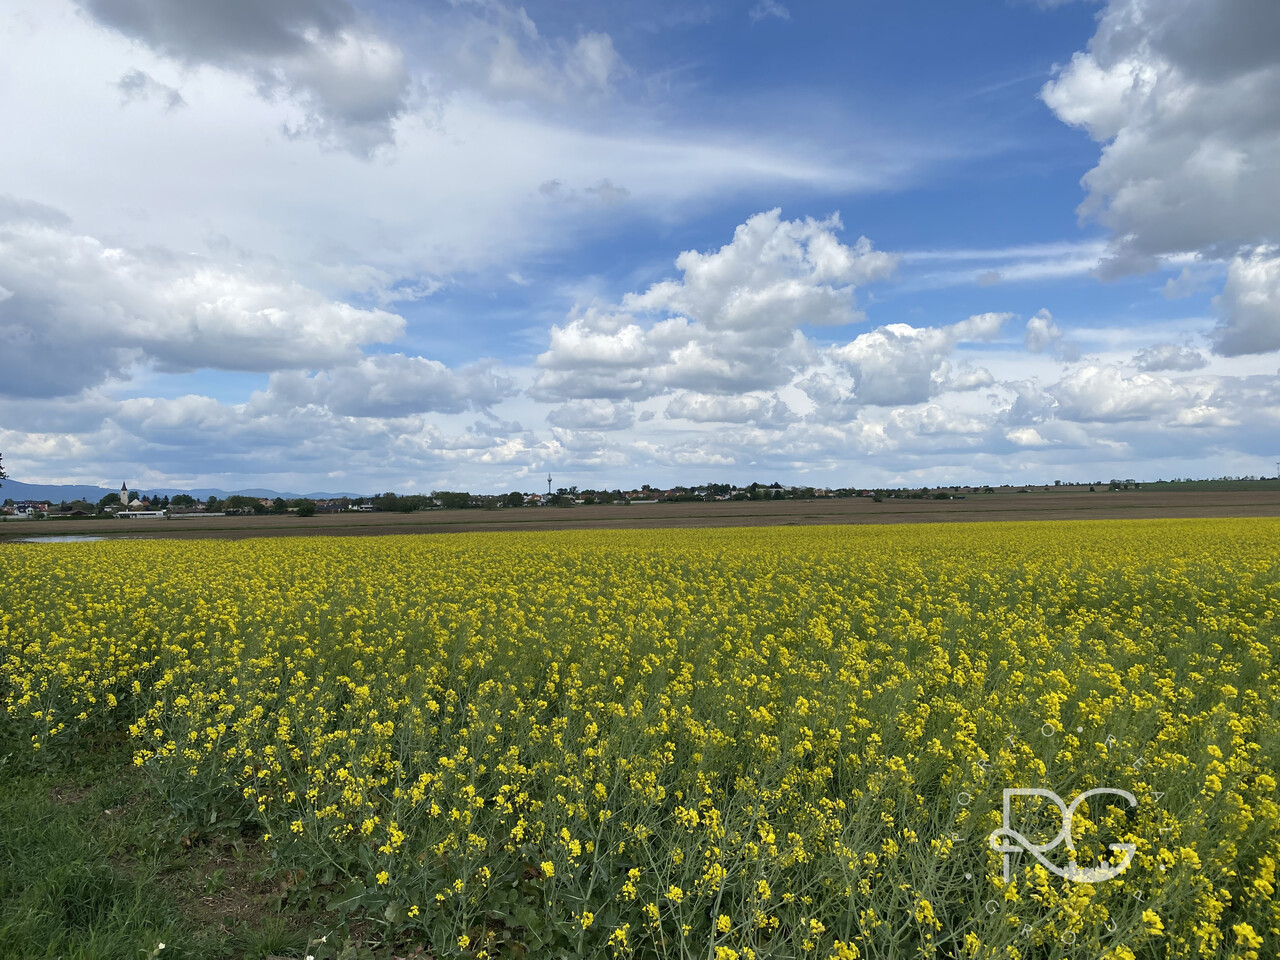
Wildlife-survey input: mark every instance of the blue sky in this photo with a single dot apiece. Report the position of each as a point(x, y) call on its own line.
point(416, 245)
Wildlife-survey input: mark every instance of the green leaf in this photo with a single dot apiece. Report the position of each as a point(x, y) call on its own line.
point(349, 898)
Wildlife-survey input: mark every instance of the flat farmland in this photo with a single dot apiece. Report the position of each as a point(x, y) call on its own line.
point(1003, 506)
point(734, 744)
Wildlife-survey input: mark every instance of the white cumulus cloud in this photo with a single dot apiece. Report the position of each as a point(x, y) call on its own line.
point(1184, 96)
point(1168, 356)
point(1043, 335)
point(81, 311)
point(351, 82)
point(730, 323)
point(748, 408)
point(899, 364)
point(394, 385)
point(774, 274)
point(1250, 304)
point(593, 415)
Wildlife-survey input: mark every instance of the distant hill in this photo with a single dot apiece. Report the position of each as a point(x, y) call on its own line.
point(17, 490)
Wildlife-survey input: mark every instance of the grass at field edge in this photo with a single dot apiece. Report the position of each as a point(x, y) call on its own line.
point(93, 867)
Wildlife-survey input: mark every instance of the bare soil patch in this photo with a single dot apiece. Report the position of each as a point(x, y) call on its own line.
point(1034, 505)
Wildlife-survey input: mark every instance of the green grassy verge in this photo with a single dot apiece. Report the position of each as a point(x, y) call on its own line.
point(94, 867)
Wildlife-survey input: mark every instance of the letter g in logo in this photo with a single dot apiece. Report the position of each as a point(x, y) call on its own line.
point(1000, 839)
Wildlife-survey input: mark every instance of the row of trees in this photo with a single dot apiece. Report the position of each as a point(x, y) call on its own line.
point(240, 504)
point(567, 496)
point(448, 499)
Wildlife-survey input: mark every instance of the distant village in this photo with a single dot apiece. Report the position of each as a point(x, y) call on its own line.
point(133, 505)
point(136, 505)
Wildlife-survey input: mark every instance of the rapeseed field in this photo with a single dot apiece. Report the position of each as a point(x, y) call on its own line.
point(729, 744)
